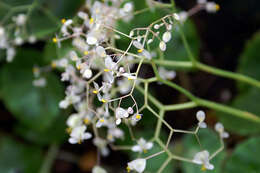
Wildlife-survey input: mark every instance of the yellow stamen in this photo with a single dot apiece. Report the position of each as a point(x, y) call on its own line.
point(129, 78)
point(79, 142)
point(68, 130)
point(95, 91)
point(91, 20)
point(54, 40)
point(86, 52)
point(79, 66)
point(140, 50)
point(138, 116)
point(86, 121)
point(203, 168)
point(106, 70)
point(103, 100)
point(102, 120)
point(128, 169)
point(53, 65)
point(63, 20)
point(217, 7)
point(145, 151)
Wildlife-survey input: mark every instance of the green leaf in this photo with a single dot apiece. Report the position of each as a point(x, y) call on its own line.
point(249, 60)
point(175, 48)
point(209, 141)
point(248, 97)
point(245, 158)
point(35, 107)
point(17, 157)
point(55, 134)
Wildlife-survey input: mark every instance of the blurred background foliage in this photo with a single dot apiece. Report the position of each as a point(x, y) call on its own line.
point(32, 127)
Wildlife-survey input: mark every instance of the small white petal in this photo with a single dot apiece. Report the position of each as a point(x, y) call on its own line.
point(200, 116)
point(167, 36)
point(162, 46)
point(91, 40)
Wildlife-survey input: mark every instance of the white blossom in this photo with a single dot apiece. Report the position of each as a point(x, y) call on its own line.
point(202, 158)
point(167, 36)
point(137, 165)
point(220, 129)
point(41, 82)
point(211, 7)
point(92, 40)
point(200, 115)
point(78, 135)
point(142, 146)
point(162, 46)
point(120, 114)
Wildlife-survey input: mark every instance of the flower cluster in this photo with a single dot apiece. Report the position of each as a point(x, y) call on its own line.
point(100, 76)
point(13, 34)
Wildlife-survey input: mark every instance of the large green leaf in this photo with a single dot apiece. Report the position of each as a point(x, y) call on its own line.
point(17, 157)
point(209, 141)
point(245, 158)
point(34, 107)
point(248, 97)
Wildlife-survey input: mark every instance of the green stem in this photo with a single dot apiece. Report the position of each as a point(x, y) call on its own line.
point(227, 74)
point(49, 159)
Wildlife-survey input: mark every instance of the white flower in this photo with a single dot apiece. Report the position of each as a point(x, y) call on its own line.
point(101, 51)
point(32, 39)
point(10, 54)
point(18, 41)
point(165, 74)
point(74, 120)
point(91, 40)
point(202, 158)
point(220, 129)
point(87, 73)
point(101, 122)
point(137, 165)
point(73, 56)
point(130, 110)
point(141, 49)
point(162, 46)
point(2, 31)
point(135, 118)
point(120, 113)
point(102, 145)
point(142, 146)
point(20, 19)
point(129, 76)
point(114, 133)
point(167, 36)
point(211, 7)
point(41, 82)
point(78, 134)
point(201, 117)
point(70, 99)
point(182, 16)
point(83, 15)
point(128, 7)
point(98, 169)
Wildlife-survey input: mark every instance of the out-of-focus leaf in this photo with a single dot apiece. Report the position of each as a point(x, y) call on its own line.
point(54, 134)
point(17, 157)
point(35, 107)
point(245, 101)
point(245, 158)
point(209, 141)
point(248, 97)
point(154, 164)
